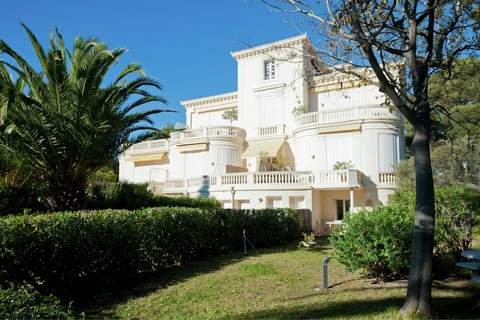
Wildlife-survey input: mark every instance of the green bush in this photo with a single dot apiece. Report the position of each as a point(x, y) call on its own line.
point(377, 243)
point(75, 252)
point(135, 196)
point(24, 302)
point(457, 212)
point(15, 200)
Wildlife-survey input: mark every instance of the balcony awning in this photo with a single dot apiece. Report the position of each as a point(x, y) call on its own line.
point(267, 147)
point(340, 128)
point(193, 147)
point(147, 157)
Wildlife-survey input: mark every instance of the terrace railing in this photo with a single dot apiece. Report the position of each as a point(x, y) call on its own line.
point(348, 114)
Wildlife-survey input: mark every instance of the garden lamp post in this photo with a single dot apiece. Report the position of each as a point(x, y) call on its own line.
point(233, 197)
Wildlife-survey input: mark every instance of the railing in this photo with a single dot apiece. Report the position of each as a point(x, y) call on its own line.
point(271, 130)
point(288, 177)
point(174, 186)
point(355, 113)
point(156, 187)
point(220, 131)
point(252, 180)
point(387, 178)
point(148, 146)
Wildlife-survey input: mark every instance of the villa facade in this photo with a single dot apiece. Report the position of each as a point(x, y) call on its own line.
point(304, 138)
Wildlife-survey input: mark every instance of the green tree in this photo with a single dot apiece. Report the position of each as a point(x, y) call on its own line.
point(64, 120)
point(230, 114)
point(455, 153)
point(164, 133)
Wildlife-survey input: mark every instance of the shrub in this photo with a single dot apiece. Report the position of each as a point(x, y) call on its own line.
point(24, 302)
point(457, 211)
point(377, 243)
point(75, 252)
point(15, 200)
point(133, 196)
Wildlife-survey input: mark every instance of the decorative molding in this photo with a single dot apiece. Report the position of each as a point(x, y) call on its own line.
point(277, 45)
point(220, 98)
point(269, 87)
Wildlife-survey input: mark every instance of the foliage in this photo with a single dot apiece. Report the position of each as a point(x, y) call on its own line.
point(230, 114)
point(163, 133)
point(309, 241)
point(457, 212)
point(299, 110)
point(343, 165)
point(123, 195)
point(73, 253)
point(277, 163)
point(64, 121)
point(378, 243)
point(22, 301)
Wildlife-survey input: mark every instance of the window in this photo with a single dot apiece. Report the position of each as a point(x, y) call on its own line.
point(269, 69)
point(343, 206)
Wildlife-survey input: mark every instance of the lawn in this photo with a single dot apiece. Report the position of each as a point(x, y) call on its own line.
point(279, 283)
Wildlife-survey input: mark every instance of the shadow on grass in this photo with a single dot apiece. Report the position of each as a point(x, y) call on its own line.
point(149, 283)
point(445, 308)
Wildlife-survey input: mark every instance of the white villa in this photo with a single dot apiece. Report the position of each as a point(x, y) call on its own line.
point(304, 138)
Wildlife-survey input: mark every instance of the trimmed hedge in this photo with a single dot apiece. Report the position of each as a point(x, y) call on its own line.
point(75, 252)
point(133, 196)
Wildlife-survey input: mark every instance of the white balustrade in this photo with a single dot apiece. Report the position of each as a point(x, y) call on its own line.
point(156, 187)
point(355, 113)
point(387, 178)
point(271, 130)
point(349, 178)
point(148, 146)
point(174, 184)
point(220, 131)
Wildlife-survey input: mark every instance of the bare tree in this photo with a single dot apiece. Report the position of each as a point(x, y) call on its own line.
point(423, 37)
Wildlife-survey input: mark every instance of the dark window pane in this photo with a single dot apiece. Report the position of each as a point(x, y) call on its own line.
point(339, 209)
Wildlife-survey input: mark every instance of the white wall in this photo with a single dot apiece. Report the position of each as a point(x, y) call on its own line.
point(270, 102)
point(346, 98)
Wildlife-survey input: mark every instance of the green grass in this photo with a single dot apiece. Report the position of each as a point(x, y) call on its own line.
point(281, 283)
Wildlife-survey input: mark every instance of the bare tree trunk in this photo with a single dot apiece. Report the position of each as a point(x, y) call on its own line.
point(419, 293)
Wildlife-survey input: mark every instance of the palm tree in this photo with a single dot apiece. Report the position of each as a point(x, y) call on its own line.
point(63, 120)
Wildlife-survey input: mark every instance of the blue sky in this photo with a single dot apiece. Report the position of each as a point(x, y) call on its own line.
point(185, 44)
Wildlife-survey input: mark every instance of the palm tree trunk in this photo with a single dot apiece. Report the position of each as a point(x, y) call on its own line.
point(67, 195)
point(419, 293)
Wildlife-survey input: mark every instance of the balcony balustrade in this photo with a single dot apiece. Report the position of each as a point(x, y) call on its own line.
point(275, 130)
point(219, 131)
point(350, 114)
point(387, 178)
point(332, 179)
point(153, 146)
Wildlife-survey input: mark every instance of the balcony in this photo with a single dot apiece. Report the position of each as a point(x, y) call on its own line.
point(351, 114)
point(148, 147)
point(270, 131)
point(332, 179)
point(387, 179)
point(204, 132)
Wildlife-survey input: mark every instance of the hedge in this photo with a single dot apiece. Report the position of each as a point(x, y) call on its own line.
point(133, 196)
point(75, 252)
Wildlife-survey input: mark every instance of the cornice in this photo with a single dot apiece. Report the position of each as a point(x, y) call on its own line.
point(216, 99)
point(265, 48)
